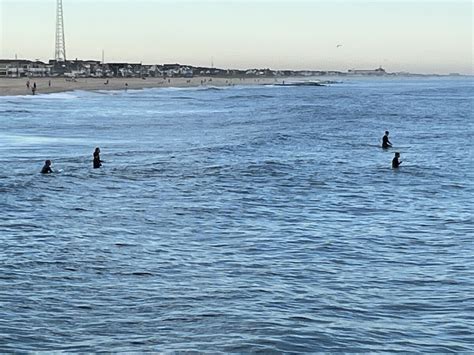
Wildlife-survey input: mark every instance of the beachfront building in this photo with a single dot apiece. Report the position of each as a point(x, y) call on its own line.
point(378, 71)
point(187, 72)
point(125, 70)
point(260, 72)
point(85, 68)
point(17, 68)
point(170, 70)
point(4, 68)
point(82, 68)
point(75, 68)
point(152, 71)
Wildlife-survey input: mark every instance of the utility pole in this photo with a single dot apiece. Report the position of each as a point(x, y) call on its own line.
point(60, 53)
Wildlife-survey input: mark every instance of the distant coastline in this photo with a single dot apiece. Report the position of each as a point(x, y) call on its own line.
point(48, 85)
point(18, 77)
point(18, 68)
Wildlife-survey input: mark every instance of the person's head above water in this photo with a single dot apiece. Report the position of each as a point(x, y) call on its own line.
point(97, 150)
point(386, 133)
point(397, 155)
point(47, 162)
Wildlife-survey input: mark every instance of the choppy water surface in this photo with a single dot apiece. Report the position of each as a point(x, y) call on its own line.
point(239, 219)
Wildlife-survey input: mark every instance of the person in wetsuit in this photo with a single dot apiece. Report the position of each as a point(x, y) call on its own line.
point(47, 167)
point(396, 161)
point(385, 141)
point(97, 162)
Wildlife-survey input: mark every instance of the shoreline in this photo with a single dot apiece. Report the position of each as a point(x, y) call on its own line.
point(18, 86)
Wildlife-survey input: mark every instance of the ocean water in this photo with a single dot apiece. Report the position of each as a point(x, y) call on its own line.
point(240, 219)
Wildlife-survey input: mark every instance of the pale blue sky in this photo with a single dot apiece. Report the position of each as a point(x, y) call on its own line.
point(425, 36)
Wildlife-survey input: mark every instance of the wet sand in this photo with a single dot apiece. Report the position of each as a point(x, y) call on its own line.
point(9, 86)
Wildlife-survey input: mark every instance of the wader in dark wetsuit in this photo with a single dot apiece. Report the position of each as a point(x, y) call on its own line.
point(97, 161)
point(395, 162)
point(47, 167)
point(385, 142)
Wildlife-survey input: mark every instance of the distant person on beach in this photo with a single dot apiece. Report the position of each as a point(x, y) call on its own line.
point(97, 162)
point(385, 141)
point(27, 84)
point(396, 161)
point(49, 83)
point(47, 167)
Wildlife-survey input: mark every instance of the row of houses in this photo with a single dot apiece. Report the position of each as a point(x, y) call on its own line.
point(22, 68)
point(18, 68)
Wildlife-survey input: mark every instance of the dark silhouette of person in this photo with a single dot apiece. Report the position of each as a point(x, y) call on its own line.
point(385, 141)
point(47, 167)
point(97, 161)
point(396, 161)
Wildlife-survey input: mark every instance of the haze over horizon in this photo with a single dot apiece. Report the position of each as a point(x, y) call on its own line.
point(417, 36)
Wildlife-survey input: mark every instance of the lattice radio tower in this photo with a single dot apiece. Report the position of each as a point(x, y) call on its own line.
point(60, 55)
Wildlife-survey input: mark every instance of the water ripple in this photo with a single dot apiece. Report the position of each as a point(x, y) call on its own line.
point(239, 220)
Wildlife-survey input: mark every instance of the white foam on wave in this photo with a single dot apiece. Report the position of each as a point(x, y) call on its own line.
point(61, 95)
point(115, 92)
point(51, 96)
point(33, 139)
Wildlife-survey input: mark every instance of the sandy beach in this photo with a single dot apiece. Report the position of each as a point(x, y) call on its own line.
point(9, 87)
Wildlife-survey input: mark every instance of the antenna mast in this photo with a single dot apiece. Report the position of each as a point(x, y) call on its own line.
point(60, 54)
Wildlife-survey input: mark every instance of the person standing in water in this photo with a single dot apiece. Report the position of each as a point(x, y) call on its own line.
point(385, 141)
point(396, 161)
point(47, 167)
point(97, 161)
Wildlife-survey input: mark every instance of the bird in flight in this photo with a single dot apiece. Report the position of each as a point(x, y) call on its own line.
point(339, 45)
